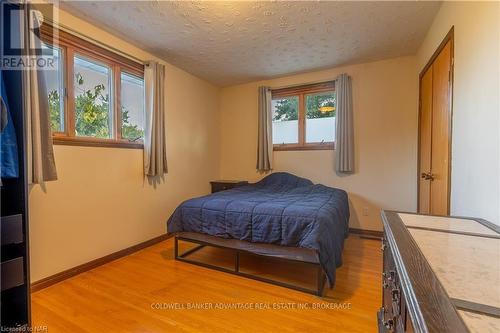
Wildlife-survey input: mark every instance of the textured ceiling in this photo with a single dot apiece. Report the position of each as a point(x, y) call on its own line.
point(230, 42)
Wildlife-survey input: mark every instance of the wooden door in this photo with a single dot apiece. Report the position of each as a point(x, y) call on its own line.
point(425, 141)
point(435, 132)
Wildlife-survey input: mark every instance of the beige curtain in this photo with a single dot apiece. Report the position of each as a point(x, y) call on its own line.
point(265, 132)
point(155, 149)
point(344, 140)
point(40, 153)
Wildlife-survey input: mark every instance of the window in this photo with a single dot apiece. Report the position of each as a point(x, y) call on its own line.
point(132, 112)
point(55, 90)
point(96, 97)
point(320, 117)
point(93, 111)
point(285, 120)
point(304, 117)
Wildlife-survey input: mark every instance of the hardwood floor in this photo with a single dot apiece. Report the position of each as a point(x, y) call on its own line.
point(133, 294)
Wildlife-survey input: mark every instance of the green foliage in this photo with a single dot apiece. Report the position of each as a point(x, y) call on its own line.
point(287, 108)
point(129, 131)
point(314, 102)
point(91, 110)
point(55, 110)
point(92, 113)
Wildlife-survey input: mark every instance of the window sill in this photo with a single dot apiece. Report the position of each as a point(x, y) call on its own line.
point(95, 142)
point(311, 146)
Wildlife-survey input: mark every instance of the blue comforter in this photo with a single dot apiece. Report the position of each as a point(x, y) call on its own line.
point(281, 209)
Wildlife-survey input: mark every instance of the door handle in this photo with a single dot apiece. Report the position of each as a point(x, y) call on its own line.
point(427, 176)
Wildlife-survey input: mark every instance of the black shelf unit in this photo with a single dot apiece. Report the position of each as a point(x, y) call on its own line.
point(15, 280)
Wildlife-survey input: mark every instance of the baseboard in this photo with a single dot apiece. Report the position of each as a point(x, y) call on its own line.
point(366, 233)
point(61, 276)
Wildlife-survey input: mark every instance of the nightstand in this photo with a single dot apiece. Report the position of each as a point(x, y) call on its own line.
point(222, 185)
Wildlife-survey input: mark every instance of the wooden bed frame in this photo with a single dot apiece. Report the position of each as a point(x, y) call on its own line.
point(283, 253)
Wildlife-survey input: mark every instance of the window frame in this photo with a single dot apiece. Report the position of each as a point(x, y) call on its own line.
point(301, 91)
point(72, 45)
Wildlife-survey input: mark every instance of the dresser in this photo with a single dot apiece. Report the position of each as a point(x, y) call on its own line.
point(440, 274)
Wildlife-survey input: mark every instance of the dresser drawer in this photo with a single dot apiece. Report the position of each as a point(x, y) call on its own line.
point(392, 324)
point(12, 273)
point(12, 229)
point(217, 187)
point(393, 311)
point(222, 185)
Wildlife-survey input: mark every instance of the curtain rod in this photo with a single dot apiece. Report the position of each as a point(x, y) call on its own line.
point(302, 84)
point(94, 41)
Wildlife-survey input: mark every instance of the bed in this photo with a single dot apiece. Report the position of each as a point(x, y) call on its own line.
point(281, 216)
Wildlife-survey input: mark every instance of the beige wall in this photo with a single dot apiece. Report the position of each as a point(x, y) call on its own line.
point(385, 117)
point(100, 204)
point(476, 142)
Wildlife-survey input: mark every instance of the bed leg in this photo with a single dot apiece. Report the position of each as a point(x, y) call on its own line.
point(176, 248)
point(237, 261)
point(321, 281)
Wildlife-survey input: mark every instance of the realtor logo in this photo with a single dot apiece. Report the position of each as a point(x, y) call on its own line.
point(22, 46)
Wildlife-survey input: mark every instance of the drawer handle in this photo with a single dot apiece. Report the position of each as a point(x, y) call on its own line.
point(395, 294)
point(389, 276)
point(395, 308)
point(388, 324)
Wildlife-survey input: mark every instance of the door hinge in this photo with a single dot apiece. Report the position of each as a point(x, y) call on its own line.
point(451, 68)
